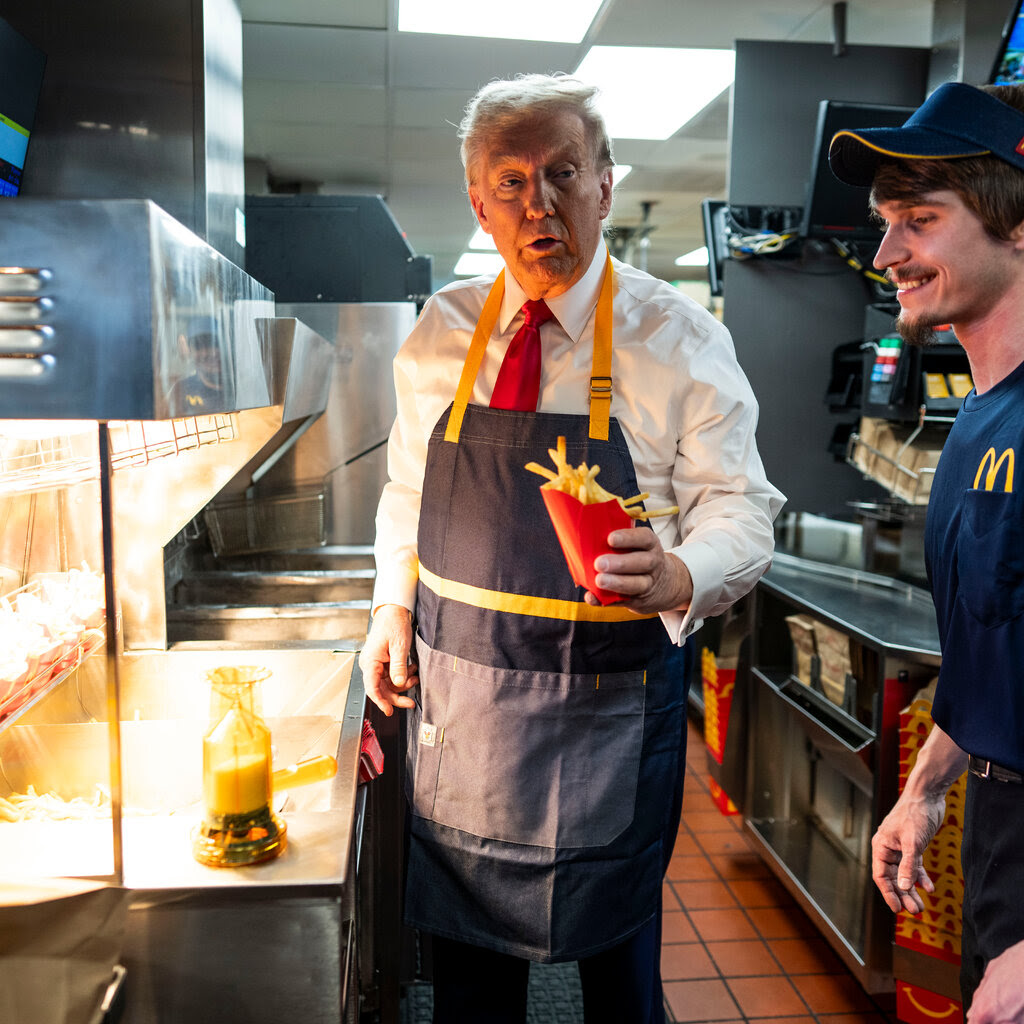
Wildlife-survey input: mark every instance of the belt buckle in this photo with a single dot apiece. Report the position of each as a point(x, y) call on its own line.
point(976, 768)
point(987, 773)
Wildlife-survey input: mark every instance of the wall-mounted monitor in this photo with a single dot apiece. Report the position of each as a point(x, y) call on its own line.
point(21, 77)
point(714, 215)
point(1009, 64)
point(834, 209)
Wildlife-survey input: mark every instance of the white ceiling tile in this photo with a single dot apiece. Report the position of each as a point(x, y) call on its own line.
point(347, 13)
point(302, 53)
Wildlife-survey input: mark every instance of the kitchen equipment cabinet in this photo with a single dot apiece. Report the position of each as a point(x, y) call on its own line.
point(822, 771)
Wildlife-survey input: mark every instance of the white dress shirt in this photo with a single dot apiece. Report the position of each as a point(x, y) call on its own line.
point(685, 407)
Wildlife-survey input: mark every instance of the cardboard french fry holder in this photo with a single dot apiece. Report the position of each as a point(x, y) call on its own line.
point(583, 535)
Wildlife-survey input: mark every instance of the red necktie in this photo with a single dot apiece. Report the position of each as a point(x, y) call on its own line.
point(518, 383)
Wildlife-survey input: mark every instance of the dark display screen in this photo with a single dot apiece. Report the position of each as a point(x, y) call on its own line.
point(21, 77)
point(834, 209)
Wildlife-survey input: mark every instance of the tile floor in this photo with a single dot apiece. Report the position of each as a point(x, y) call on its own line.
point(735, 946)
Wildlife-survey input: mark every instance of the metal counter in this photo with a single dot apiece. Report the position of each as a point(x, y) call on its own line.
point(271, 942)
point(822, 772)
point(892, 616)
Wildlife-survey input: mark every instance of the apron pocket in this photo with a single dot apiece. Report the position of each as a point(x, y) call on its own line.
point(535, 758)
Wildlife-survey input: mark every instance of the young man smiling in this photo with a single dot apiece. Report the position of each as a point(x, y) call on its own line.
point(949, 187)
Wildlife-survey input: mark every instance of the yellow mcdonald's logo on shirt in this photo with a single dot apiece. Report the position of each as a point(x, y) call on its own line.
point(989, 467)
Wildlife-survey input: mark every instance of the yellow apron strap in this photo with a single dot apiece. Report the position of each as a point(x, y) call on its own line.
point(477, 347)
point(600, 371)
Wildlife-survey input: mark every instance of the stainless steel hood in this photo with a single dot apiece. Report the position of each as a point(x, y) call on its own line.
point(108, 306)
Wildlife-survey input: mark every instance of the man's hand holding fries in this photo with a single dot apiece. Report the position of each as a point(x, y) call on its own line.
point(650, 579)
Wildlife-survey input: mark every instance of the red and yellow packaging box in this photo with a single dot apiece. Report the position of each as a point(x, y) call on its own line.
point(717, 684)
point(936, 931)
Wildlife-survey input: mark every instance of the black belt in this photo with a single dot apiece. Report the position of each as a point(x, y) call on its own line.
point(987, 770)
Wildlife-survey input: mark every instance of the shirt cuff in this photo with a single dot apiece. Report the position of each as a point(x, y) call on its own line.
point(706, 573)
point(395, 585)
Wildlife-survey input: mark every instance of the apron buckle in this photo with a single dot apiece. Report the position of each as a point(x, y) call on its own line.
point(601, 391)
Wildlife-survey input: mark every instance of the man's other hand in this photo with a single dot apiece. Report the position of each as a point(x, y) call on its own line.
point(999, 999)
point(898, 846)
point(651, 579)
point(387, 670)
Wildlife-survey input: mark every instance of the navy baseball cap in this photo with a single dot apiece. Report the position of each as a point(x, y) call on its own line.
point(957, 120)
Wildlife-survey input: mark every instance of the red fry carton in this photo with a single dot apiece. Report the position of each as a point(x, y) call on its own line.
point(583, 534)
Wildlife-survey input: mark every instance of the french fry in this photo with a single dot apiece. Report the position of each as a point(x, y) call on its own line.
point(581, 482)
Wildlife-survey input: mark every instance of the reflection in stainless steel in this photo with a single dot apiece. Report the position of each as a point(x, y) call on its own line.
point(346, 447)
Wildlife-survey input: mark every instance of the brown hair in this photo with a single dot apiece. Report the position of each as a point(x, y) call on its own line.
point(991, 188)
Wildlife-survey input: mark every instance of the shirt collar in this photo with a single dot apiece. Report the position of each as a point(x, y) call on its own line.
point(572, 309)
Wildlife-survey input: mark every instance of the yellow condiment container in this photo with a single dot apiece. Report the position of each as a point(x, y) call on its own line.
point(239, 826)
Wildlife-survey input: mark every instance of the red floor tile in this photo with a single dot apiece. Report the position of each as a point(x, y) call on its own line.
point(743, 865)
point(711, 820)
point(697, 798)
point(686, 846)
point(676, 927)
point(685, 961)
point(760, 892)
point(729, 841)
point(781, 922)
point(736, 946)
point(806, 956)
point(854, 1018)
point(669, 899)
point(706, 1000)
point(719, 925)
point(704, 895)
point(691, 869)
point(832, 993)
point(743, 958)
point(782, 1020)
point(759, 997)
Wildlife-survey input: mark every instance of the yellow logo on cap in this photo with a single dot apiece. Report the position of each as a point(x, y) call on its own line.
point(989, 465)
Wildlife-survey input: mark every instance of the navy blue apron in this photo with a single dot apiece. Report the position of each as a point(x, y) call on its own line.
point(546, 747)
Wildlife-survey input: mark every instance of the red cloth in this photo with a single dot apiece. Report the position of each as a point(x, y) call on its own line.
point(518, 383)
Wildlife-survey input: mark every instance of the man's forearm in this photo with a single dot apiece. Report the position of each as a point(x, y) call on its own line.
point(940, 762)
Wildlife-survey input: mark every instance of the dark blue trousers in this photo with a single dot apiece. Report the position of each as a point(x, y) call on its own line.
point(993, 863)
point(622, 985)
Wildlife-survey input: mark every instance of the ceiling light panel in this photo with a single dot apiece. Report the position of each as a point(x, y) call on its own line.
point(538, 20)
point(650, 92)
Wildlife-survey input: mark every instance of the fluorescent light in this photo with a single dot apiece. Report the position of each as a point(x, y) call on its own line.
point(482, 240)
point(619, 172)
point(697, 258)
point(650, 92)
point(564, 22)
point(472, 263)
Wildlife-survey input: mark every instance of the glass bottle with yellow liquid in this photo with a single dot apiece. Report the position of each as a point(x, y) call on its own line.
point(239, 827)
